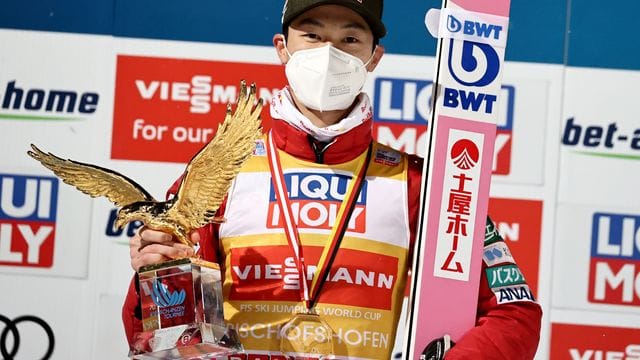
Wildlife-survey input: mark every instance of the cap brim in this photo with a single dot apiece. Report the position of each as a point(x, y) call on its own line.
point(377, 27)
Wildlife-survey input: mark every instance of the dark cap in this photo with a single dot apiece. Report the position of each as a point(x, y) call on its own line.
point(370, 10)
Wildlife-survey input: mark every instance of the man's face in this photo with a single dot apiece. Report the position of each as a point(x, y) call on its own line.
point(338, 25)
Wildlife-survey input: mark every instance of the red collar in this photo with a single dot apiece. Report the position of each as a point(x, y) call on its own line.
point(344, 147)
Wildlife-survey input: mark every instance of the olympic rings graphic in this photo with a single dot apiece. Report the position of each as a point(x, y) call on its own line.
point(11, 327)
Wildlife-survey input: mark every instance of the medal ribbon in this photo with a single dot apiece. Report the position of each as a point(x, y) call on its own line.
point(310, 295)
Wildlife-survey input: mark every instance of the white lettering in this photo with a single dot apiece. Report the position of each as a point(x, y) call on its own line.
point(624, 277)
point(5, 245)
point(509, 231)
point(28, 206)
point(34, 241)
point(147, 92)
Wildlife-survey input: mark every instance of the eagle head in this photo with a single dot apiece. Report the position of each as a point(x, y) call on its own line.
point(141, 211)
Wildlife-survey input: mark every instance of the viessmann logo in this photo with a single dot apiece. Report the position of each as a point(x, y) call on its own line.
point(609, 141)
point(28, 206)
point(401, 112)
point(270, 273)
point(21, 102)
point(167, 109)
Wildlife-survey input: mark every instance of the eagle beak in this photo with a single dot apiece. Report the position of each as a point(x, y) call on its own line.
point(120, 221)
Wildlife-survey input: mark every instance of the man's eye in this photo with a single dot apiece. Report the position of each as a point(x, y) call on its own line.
point(351, 40)
point(312, 36)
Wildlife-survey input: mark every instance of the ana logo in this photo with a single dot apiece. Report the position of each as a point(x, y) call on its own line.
point(162, 297)
point(271, 274)
point(614, 274)
point(168, 116)
point(465, 154)
point(28, 206)
point(401, 112)
point(42, 104)
point(602, 141)
point(315, 200)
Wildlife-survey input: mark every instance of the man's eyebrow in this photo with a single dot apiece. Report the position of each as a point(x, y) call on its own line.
point(309, 21)
point(316, 22)
point(354, 25)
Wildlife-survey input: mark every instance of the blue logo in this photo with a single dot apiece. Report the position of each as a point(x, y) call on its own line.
point(454, 25)
point(319, 187)
point(601, 141)
point(493, 254)
point(407, 102)
point(54, 103)
point(28, 198)
point(469, 63)
point(615, 236)
point(162, 297)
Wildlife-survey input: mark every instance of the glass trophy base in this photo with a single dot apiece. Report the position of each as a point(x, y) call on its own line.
point(181, 304)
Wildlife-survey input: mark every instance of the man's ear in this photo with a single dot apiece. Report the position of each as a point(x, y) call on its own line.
point(375, 58)
point(279, 44)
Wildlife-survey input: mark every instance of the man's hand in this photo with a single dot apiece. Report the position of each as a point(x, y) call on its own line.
point(150, 247)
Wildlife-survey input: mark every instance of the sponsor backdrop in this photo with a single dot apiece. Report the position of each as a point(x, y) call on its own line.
point(139, 86)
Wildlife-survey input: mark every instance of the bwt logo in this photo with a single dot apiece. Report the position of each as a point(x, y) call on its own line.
point(472, 64)
point(473, 28)
point(200, 92)
point(315, 200)
point(59, 102)
point(614, 276)
point(28, 206)
point(402, 108)
point(594, 137)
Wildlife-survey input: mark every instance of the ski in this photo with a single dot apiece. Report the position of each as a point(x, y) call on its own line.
point(457, 172)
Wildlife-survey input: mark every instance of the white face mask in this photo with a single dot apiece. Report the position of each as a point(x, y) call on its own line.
point(325, 78)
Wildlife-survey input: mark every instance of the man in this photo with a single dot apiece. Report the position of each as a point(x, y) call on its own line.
point(321, 139)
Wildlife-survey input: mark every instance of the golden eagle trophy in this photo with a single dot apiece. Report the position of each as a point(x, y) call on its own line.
point(181, 300)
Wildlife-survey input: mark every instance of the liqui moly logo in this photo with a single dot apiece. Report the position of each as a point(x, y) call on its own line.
point(458, 205)
point(614, 274)
point(28, 206)
point(271, 273)
point(315, 199)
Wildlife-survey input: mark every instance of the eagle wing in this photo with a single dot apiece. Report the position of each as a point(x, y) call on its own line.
point(210, 173)
point(93, 180)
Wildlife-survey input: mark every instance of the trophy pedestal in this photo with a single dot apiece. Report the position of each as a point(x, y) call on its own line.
point(182, 312)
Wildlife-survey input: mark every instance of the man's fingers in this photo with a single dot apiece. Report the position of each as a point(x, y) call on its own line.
point(195, 237)
point(152, 236)
point(147, 259)
point(171, 252)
